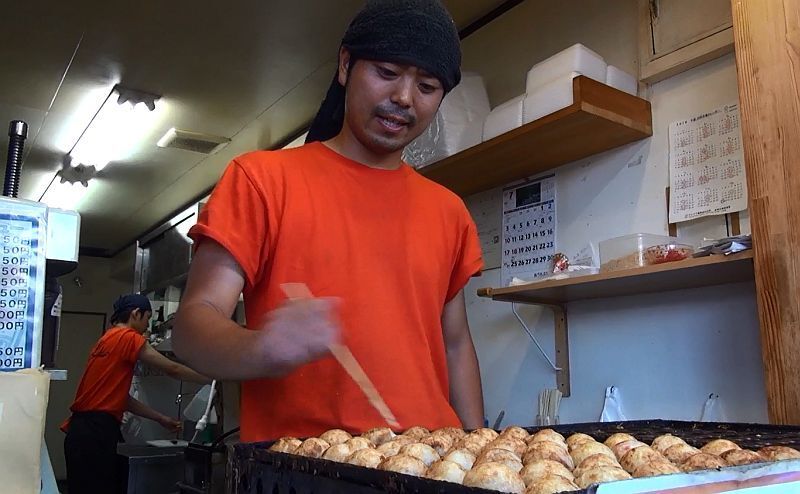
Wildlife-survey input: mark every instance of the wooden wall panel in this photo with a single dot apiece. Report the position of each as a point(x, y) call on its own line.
point(767, 39)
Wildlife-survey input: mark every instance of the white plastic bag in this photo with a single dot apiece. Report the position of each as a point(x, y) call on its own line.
point(612, 406)
point(712, 410)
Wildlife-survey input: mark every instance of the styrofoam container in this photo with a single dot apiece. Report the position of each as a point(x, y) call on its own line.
point(471, 135)
point(576, 58)
point(505, 117)
point(550, 98)
point(619, 79)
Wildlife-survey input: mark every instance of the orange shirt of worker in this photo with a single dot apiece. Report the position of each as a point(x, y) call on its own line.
point(394, 246)
point(106, 383)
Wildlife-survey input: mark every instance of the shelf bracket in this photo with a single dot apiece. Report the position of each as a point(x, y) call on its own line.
point(562, 348)
point(561, 365)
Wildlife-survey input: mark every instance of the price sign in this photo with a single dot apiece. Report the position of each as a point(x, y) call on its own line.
point(529, 229)
point(23, 230)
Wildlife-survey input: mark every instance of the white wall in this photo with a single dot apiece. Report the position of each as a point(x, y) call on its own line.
point(97, 288)
point(506, 48)
point(666, 352)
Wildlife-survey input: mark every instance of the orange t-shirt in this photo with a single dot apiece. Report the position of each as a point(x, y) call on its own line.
point(106, 381)
point(393, 245)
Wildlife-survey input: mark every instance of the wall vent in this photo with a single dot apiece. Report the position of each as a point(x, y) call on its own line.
point(192, 141)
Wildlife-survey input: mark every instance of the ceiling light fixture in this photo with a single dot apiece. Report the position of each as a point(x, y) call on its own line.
point(111, 135)
point(115, 129)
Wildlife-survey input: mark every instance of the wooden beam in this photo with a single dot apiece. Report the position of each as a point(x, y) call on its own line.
point(767, 38)
point(734, 224)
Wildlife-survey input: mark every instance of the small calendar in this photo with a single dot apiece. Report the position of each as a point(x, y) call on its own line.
point(529, 229)
point(706, 165)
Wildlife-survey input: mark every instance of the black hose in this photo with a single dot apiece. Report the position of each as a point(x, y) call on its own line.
point(223, 437)
point(17, 133)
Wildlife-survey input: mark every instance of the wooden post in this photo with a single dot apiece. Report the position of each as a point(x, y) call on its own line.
point(767, 39)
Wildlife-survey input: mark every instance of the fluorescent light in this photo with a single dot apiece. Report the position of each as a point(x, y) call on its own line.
point(65, 195)
point(117, 128)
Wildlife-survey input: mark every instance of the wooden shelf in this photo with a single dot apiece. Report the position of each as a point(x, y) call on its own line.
point(600, 118)
point(691, 273)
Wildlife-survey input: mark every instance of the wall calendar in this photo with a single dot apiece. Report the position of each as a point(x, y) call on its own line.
point(529, 229)
point(706, 165)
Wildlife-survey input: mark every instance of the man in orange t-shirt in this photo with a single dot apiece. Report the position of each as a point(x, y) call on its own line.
point(386, 251)
point(90, 447)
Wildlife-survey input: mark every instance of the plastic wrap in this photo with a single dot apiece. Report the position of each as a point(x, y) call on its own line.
point(458, 124)
point(426, 148)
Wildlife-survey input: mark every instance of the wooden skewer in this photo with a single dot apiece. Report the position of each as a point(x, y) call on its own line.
point(343, 355)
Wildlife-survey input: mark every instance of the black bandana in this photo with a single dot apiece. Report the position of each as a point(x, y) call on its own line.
point(414, 32)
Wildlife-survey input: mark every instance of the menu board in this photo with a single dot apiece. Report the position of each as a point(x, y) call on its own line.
point(529, 229)
point(23, 232)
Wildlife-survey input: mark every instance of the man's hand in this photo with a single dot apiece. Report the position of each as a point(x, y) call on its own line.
point(299, 332)
point(170, 424)
point(207, 339)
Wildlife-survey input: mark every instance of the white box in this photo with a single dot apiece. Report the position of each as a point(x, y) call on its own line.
point(619, 79)
point(507, 116)
point(550, 98)
point(576, 58)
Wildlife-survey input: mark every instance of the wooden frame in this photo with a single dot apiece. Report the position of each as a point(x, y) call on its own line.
point(655, 67)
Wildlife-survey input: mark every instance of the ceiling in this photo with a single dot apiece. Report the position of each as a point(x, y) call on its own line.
point(255, 74)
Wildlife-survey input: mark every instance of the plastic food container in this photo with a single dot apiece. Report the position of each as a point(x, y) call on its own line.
point(659, 254)
point(641, 249)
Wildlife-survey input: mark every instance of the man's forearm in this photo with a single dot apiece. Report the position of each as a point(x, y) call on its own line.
point(466, 395)
point(183, 373)
point(216, 346)
point(136, 407)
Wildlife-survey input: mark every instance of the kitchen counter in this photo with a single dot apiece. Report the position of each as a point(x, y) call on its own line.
point(145, 450)
point(152, 469)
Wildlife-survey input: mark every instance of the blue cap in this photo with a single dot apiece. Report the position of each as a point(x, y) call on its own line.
point(132, 301)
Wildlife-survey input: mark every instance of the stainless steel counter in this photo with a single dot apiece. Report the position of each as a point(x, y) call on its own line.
point(151, 469)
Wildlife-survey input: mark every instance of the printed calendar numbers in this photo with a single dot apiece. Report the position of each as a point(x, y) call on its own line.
point(707, 165)
point(529, 229)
